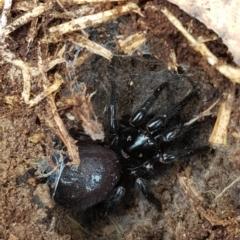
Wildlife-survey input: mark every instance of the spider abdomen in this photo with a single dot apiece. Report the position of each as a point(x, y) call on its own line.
point(88, 184)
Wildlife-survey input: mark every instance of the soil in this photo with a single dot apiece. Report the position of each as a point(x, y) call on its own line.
point(192, 206)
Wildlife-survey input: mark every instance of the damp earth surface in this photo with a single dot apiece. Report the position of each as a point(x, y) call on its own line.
point(193, 204)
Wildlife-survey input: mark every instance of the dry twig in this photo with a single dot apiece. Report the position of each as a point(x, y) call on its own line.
point(26, 72)
point(219, 133)
point(232, 73)
point(23, 20)
point(71, 2)
point(50, 93)
point(83, 109)
point(93, 20)
point(210, 216)
point(203, 114)
point(132, 42)
point(10, 57)
point(68, 141)
point(47, 91)
point(3, 19)
point(226, 188)
point(90, 45)
point(63, 134)
point(236, 135)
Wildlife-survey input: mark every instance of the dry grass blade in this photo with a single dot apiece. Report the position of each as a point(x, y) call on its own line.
point(27, 76)
point(57, 59)
point(220, 16)
point(93, 20)
point(81, 59)
point(32, 32)
point(53, 63)
point(63, 133)
point(23, 19)
point(2, 3)
point(11, 58)
point(210, 216)
point(219, 133)
point(83, 109)
point(203, 114)
point(47, 91)
point(82, 10)
point(232, 73)
point(131, 43)
point(5, 12)
point(89, 45)
point(228, 187)
point(71, 2)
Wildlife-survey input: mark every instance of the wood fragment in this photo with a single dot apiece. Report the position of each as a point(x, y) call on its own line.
point(83, 109)
point(90, 45)
point(172, 62)
point(132, 42)
point(220, 16)
point(23, 20)
point(220, 130)
point(203, 114)
point(72, 2)
point(226, 188)
point(1, 4)
point(22, 6)
point(47, 91)
point(6, 4)
point(10, 57)
point(93, 20)
point(36, 137)
point(12, 237)
point(81, 59)
point(232, 73)
point(48, 66)
point(236, 135)
point(32, 32)
point(78, 12)
point(62, 132)
point(11, 100)
point(209, 215)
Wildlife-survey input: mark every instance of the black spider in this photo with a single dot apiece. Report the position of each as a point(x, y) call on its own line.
point(134, 153)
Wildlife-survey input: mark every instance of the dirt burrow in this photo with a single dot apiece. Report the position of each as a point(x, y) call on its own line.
point(27, 210)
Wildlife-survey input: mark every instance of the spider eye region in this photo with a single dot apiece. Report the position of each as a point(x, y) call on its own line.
point(135, 144)
point(129, 138)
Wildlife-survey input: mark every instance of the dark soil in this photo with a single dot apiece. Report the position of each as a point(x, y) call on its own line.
point(27, 211)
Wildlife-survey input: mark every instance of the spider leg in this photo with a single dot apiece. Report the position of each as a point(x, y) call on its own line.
point(141, 185)
point(137, 175)
point(174, 155)
point(180, 129)
point(112, 111)
point(172, 134)
point(114, 196)
point(160, 121)
point(117, 194)
point(146, 168)
point(141, 113)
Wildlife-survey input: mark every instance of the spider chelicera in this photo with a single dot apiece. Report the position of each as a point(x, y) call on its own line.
point(134, 153)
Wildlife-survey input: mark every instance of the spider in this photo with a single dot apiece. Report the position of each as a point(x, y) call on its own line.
point(134, 153)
